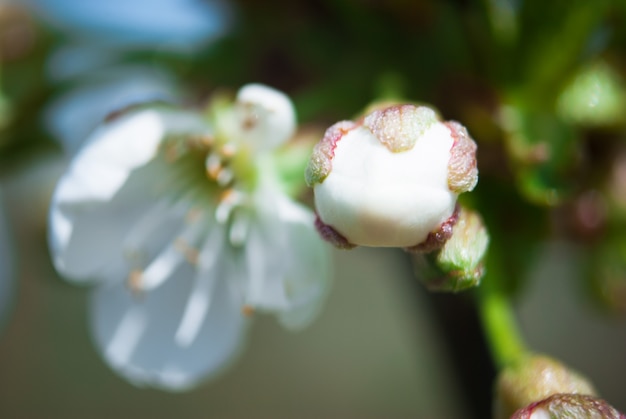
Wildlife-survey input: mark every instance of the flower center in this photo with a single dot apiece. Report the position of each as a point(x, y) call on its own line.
point(211, 183)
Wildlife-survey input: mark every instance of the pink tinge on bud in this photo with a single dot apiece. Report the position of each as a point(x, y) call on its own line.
point(462, 168)
point(321, 162)
point(331, 235)
point(384, 180)
point(569, 406)
point(436, 239)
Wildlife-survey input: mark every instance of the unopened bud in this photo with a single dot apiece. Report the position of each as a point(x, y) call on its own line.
point(391, 179)
point(458, 265)
point(595, 97)
point(535, 378)
point(264, 117)
point(574, 406)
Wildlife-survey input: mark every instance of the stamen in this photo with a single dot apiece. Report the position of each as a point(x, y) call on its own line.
point(229, 150)
point(193, 215)
point(207, 140)
point(201, 142)
point(134, 280)
point(228, 201)
point(238, 228)
point(161, 267)
point(166, 262)
point(224, 177)
point(142, 229)
point(200, 298)
point(195, 311)
point(247, 310)
point(190, 253)
point(126, 336)
point(213, 165)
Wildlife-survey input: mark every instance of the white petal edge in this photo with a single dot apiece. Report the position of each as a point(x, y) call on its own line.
point(288, 264)
point(118, 147)
point(111, 183)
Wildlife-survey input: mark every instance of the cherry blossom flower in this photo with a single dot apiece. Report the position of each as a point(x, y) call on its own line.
point(181, 222)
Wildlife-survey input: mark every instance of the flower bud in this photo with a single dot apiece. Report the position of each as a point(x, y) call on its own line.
point(573, 406)
point(391, 179)
point(534, 378)
point(595, 97)
point(458, 265)
point(265, 117)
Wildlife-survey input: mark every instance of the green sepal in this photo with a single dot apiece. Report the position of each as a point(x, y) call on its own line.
point(458, 265)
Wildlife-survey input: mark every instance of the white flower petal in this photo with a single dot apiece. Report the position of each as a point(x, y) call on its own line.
point(265, 116)
point(112, 182)
point(161, 241)
point(199, 300)
point(87, 239)
point(288, 264)
point(118, 147)
point(140, 336)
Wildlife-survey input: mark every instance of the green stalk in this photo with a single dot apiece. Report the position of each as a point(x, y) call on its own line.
point(503, 336)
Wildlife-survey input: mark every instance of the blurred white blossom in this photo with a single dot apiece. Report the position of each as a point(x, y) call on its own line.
point(181, 222)
point(176, 25)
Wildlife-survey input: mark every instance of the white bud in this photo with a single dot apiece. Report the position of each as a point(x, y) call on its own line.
point(265, 117)
point(392, 178)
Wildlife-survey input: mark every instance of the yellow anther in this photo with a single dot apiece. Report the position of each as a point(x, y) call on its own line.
point(227, 196)
point(213, 166)
point(134, 280)
point(247, 310)
point(193, 215)
point(228, 150)
point(191, 254)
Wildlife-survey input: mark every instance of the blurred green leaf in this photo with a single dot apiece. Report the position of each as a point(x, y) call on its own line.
point(544, 151)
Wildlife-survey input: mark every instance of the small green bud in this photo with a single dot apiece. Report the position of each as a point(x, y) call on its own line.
point(572, 406)
point(458, 265)
point(535, 378)
point(595, 97)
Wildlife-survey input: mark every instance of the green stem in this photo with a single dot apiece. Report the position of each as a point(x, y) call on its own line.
point(500, 325)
